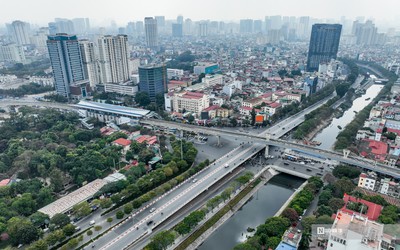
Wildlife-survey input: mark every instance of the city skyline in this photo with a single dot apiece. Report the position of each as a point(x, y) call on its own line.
point(43, 11)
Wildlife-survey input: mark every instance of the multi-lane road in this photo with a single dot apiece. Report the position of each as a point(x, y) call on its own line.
point(143, 221)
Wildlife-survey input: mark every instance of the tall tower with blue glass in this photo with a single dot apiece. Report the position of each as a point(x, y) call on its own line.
point(153, 80)
point(66, 61)
point(324, 44)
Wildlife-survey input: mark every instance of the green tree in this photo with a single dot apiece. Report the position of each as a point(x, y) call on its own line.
point(233, 122)
point(142, 98)
point(162, 240)
point(290, 214)
point(273, 242)
point(82, 209)
point(128, 208)
point(109, 220)
point(97, 228)
point(335, 204)
point(105, 203)
point(119, 215)
point(89, 233)
point(346, 171)
point(324, 197)
point(38, 219)
point(324, 210)
point(57, 180)
point(21, 231)
point(69, 229)
point(73, 243)
point(60, 220)
point(38, 245)
point(24, 205)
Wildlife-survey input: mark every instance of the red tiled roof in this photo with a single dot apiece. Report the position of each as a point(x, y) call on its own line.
point(378, 147)
point(123, 142)
point(193, 95)
point(396, 131)
point(274, 105)
point(374, 210)
point(4, 182)
point(213, 107)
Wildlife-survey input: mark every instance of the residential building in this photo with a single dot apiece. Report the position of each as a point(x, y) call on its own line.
point(174, 73)
point(190, 102)
point(113, 59)
point(124, 143)
point(212, 80)
point(20, 32)
point(153, 79)
point(68, 70)
point(367, 181)
point(205, 68)
point(290, 239)
point(89, 62)
point(271, 108)
point(353, 231)
point(12, 53)
point(324, 44)
point(123, 88)
point(151, 30)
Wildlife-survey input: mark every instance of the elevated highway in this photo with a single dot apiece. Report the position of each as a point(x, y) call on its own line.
point(273, 141)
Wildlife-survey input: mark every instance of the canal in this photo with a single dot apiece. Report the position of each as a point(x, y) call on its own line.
point(327, 136)
point(264, 204)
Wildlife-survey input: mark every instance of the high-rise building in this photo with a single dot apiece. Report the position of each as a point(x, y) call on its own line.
point(203, 29)
point(66, 61)
point(365, 33)
point(64, 26)
point(151, 32)
point(177, 30)
point(324, 44)
point(89, 62)
point(257, 26)
point(276, 22)
point(139, 28)
point(113, 59)
point(179, 19)
point(12, 53)
point(20, 32)
point(81, 25)
point(246, 26)
point(153, 80)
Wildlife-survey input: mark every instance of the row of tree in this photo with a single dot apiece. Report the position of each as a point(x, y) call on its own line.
point(347, 136)
point(27, 89)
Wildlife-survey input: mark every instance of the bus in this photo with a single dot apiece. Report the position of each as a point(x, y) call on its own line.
point(291, 157)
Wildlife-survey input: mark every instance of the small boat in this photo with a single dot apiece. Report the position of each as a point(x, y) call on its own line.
point(355, 111)
point(367, 99)
point(339, 127)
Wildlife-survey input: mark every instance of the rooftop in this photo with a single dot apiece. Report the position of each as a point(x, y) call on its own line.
point(123, 142)
point(65, 203)
point(104, 107)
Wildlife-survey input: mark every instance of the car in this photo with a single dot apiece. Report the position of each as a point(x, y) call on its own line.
point(152, 210)
point(149, 222)
point(226, 166)
point(321, 167)
point(92, 222)
point(194, 180)
point(302, 163)
point(319, 174)
point(283, 128)
point(77, 229)
point(285, 163)
point(309, 170)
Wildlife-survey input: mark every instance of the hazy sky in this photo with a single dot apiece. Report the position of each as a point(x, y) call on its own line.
point(122, 11)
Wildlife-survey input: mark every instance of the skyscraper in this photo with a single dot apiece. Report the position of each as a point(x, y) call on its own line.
point(20, 32)
point(324, 44)
point(66, 61)
point(177, 30)
point(113, 59)
point(246, 26)
point(151, 32)
point(153, 80)
point(89, 62)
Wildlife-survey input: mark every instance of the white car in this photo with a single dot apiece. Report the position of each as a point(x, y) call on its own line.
point(152, 210)
point(194, 180)
point(92, 222)
point(226, 166)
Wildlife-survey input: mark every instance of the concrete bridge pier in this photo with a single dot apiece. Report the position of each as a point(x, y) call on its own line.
point(266, 152)
point(218, 140)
